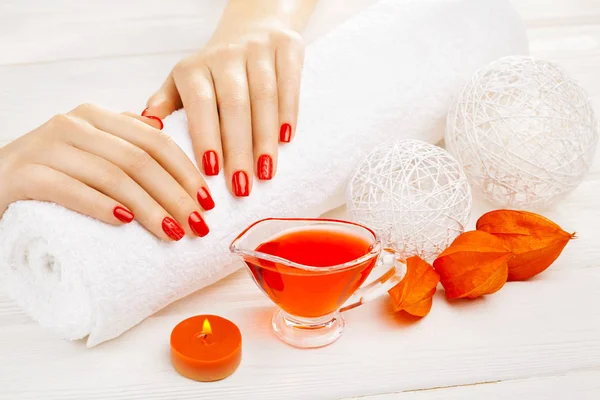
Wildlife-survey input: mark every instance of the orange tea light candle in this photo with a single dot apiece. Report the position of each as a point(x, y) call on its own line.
point(206, 348)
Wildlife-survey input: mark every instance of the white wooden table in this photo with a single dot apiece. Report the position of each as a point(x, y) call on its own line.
point(532, 340)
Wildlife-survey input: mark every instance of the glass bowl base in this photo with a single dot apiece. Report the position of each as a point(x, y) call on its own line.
point(307, 333)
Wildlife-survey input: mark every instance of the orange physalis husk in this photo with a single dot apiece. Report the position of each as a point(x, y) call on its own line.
point(414, 294)
point(535, 240)
point(475, 264)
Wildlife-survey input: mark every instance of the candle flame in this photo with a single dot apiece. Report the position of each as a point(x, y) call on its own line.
point(206, 329)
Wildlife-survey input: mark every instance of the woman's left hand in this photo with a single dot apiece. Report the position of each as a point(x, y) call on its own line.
point(240, 93)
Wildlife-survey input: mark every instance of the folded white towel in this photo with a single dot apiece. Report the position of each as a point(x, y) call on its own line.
point(388, 72)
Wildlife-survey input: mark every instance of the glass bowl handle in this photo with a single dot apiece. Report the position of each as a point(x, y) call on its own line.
point(395, 272)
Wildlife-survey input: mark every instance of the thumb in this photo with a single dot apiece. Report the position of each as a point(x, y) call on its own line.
point(164, 101)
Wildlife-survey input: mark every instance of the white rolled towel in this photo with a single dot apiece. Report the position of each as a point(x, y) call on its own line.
point(387, 72)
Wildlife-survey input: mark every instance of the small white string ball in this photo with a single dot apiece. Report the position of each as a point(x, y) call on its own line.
point(413, 194)
point(525, 133)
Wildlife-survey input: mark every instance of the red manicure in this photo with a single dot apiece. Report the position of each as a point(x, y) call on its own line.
point(210, 163)
point(153, 117)
point(205, 199)
point(156, 119)
point(123, 214)
point(172, 228)
point(240, 184)
point(197, 224)
point(265, 167)
point(285, 133)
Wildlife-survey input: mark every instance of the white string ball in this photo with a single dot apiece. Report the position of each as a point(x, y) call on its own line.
point(413, 194)
point(525, 133)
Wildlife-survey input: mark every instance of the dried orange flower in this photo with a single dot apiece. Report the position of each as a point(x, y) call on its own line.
point(414, 294)
point(535, 240)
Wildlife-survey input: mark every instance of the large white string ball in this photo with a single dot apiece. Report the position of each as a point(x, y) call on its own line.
point(413, 194)
point(525, 133)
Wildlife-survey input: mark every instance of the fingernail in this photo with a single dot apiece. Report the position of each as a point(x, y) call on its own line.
point(265, 167)
point(197, 224)
point(156, 119)
point(153, 117)
point(285, 133)
point(210, 163)
point(172, 228)
point(205, 199)
point(123, 214)
point(240, 184)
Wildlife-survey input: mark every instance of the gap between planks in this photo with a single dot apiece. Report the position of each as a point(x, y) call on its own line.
point(533, 378)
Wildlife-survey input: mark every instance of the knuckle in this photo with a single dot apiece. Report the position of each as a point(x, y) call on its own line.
point(8, 164)
point(288, 82)
point(201, 98)
point(234, 103)
point(156, 140)
point(110, 178)
point(183, 68)
point(182, 202)
point(257, 43)
point(85, 109)
point(238, 156)
point(163, 140)
point(59, 121)
point(289, 38)
point(227, 52)
point(138, 160)
point(57, 127)
point(263, 91)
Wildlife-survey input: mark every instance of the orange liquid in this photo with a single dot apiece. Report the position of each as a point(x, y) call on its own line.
point(312, 293)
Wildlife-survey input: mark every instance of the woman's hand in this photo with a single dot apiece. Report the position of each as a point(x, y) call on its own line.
point(241, 91)
point(112, 167)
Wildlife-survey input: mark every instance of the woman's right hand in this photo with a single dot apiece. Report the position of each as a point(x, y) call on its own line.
point(113, 167)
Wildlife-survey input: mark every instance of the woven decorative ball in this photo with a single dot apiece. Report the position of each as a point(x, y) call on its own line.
point(525, 133)
point(413, 194)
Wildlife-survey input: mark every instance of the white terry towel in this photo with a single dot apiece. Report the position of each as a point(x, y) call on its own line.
point(388, 72)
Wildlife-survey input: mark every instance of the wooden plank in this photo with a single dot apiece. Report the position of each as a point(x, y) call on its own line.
point(73, 30)
point(37, 92)
point(38, 31)
point(583, 385)
point(576, 49)
point(555, 13)
point(547, 326)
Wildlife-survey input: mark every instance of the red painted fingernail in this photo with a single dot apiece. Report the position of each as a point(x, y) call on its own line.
point(172, 228)
point(210, 163)
point(156, 119)
point(240, 184)
point(197, 224)
point(123, 214)
point(205, 199)
point(285, 133)
point(144, 112)
point(265, 167)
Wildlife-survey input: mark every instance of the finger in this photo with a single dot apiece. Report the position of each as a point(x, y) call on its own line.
point(233, 100)
point(154, 122)
point(262, 82)
point(157, 144)
point(198, 96)
point(110, 180)
point(288, 63)
point(39, 182)
point(147, 172)
point(164, 101)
